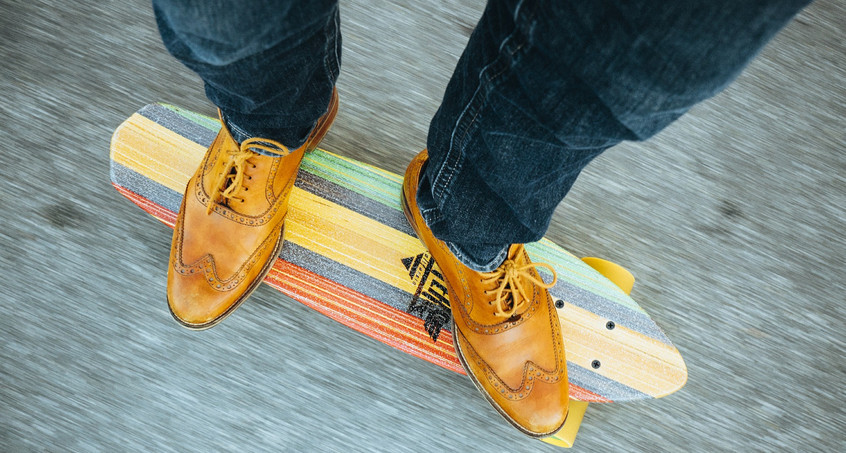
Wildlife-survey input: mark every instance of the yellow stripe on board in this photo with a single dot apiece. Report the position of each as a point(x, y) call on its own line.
point(625, 356)
point(350, 238)
point(376, 250)
point(156, 152)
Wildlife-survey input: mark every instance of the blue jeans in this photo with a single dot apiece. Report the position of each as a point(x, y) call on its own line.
point(542, 88)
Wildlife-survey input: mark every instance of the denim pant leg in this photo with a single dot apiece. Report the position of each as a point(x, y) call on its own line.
point(543, 87)
point(269, 65)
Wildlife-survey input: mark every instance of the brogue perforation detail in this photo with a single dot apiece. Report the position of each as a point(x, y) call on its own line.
point(532, 373)
point(206, 264)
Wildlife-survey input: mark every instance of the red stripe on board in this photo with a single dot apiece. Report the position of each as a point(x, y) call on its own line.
point(164, 215)
point(353, 309)
point(363, 313)
point(582, 394)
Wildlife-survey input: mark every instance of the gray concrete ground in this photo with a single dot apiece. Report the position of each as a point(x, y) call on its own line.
point(732, 219)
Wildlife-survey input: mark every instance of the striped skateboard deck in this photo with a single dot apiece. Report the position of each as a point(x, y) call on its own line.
point(350, 254)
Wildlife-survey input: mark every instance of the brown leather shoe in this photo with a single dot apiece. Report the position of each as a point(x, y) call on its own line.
point(505, 326)
point(229, 229)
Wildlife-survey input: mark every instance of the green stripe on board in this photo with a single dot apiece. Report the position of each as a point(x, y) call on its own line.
point(202, 120)
point(579, 273)
point(379, 186)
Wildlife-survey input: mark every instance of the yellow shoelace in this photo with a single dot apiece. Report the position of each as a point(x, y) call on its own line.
point(510, 295)
point(231, 180)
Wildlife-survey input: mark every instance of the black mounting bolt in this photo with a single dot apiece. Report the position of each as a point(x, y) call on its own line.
point(595, 364)
point(610, 325)
point(559, 303)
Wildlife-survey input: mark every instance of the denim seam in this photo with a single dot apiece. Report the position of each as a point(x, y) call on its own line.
point(331, 65)
point(237, 132)
point(447, 172)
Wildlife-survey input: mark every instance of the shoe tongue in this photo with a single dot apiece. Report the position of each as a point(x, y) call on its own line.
point(508, 304)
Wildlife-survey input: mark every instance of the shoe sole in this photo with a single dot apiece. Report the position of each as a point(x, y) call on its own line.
point(460, 354)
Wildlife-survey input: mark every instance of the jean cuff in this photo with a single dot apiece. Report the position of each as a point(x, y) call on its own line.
point(479, 257)
point(239, 134)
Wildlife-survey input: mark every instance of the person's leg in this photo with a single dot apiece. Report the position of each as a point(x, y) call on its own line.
point(543, 87)
point(270, 66)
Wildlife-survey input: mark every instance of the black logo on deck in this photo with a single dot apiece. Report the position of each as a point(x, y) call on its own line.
point(429, 302)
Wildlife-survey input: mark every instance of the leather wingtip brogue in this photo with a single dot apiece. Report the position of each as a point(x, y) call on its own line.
point(505, 327)
point(229, 229)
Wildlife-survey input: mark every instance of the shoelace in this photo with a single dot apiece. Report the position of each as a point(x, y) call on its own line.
point(231, 179)
point(510, 292)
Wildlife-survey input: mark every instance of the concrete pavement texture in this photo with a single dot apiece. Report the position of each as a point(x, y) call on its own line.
point(732, 219)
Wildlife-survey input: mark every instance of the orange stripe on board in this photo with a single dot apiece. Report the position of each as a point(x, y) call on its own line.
point(407, 338)
point(315, 285)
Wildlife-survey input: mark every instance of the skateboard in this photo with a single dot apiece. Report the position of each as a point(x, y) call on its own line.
point(350, 254)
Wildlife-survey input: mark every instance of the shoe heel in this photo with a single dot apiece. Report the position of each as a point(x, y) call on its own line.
point(407, 211)
point(323, 124)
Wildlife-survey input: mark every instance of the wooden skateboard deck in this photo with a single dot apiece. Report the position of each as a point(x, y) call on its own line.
point(350, 254)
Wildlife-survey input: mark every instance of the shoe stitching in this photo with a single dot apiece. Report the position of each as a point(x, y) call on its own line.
point(467, 303)
point(511, 321)
point(510, 276)
point(532, 372)
point(206, 263)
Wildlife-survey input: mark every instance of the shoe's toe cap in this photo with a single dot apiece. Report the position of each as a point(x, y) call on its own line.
point(536, 404)
point(195, 302)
